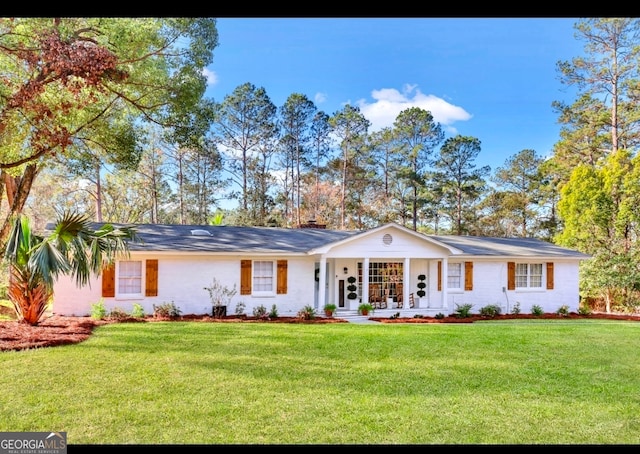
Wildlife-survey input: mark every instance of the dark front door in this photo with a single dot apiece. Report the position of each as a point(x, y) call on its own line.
point(341, 293)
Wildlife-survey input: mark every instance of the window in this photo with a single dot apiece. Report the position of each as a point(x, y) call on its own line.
point(454, 276)
point(258, 277)
point(129, 278)
point(529, 275)
point(388, 276)
point(263, 276)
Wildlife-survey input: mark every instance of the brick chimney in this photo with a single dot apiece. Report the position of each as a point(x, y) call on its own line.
point(312, 224)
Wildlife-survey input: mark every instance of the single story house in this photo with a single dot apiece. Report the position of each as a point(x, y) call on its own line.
point(394, 268)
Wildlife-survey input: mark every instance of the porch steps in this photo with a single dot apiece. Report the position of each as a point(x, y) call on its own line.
point(353, 315)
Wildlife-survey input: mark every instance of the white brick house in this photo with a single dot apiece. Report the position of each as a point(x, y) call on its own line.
point(293, 268)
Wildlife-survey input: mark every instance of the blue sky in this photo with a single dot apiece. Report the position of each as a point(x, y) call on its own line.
point(489, 78)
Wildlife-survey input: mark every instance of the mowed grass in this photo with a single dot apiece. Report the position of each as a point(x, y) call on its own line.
point(526, 382)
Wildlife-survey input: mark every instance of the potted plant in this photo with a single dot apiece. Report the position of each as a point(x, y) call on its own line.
point(365, 308)
point(352, 288)
point(329, 309)
point(220, 296)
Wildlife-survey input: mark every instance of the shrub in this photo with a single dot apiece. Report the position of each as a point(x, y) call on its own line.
point(490, 310)
point(584, 310)
point(137, 311)
point(464, 310)
point(421, 286)
point(307, 313)
point(98, 311)
point(220, 295)
point(563, 311)
point(166, 310)
point(536, 310)
point(240, 307)
point(260, 311)
point(352, 288)
point(418, 316)
point(395, 316)
point(118, 314)
point(439, 315)
point(274, 312)
point(515, 310)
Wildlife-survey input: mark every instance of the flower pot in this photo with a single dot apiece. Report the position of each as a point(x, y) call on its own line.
point(219, 311)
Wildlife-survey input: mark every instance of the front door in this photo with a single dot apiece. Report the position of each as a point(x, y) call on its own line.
point(341, 293)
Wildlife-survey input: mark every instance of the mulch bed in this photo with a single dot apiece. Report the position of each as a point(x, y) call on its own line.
point(60, 330)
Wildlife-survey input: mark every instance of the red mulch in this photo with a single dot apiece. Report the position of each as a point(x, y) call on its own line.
point(60, 330)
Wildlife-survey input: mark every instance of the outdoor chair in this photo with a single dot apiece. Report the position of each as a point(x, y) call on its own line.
point(376, 297)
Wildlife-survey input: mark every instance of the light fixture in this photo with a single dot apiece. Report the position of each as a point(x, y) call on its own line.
point(346, 270)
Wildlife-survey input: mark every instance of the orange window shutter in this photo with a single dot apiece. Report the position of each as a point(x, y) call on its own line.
point(549, 275)
point(439, 276)
point(468, 275)
point(281, 288)
point(151, 280)
point(109, 281)
point(245, 277)
point(511, 275)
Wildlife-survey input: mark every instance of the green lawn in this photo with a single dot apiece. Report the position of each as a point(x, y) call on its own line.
point(533, 382)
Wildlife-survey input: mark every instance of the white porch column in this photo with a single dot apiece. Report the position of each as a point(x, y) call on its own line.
point(365, 280)
point(406, 281)
point(322, 283)
point(445, 274)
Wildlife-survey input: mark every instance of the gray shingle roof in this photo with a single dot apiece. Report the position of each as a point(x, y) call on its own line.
point(207, 238)
point(272, 240)
point(510, 247)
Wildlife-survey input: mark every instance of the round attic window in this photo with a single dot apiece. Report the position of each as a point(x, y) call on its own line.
point(387, 239)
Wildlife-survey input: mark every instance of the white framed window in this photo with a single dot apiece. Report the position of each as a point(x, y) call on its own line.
point(129, 278)
point(529, 275)
point(454, 276)
point(264, 272)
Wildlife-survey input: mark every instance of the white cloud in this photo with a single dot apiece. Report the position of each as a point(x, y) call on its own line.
point(320, 98)
point(212, 77)
point(389, 102)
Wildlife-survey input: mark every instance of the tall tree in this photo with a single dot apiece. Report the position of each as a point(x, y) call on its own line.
point(63, 77)
point(321, 145)
point(350, 127)
point(296, 116)
point(462, 182)
point(388, 201)
point(245, 120)
point(418, 135)
point(520, 180)
point(600, 213)
point(607, 70)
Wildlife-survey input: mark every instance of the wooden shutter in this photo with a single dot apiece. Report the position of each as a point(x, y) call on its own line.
point(245, 277)
point(281, 288)
point(109, 280)
point(549, 275)
point(468, 275)
point(511, 275)
point(151, 278)
point(439, 276)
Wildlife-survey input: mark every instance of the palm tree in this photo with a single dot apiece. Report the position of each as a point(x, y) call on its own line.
point(73, 248)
